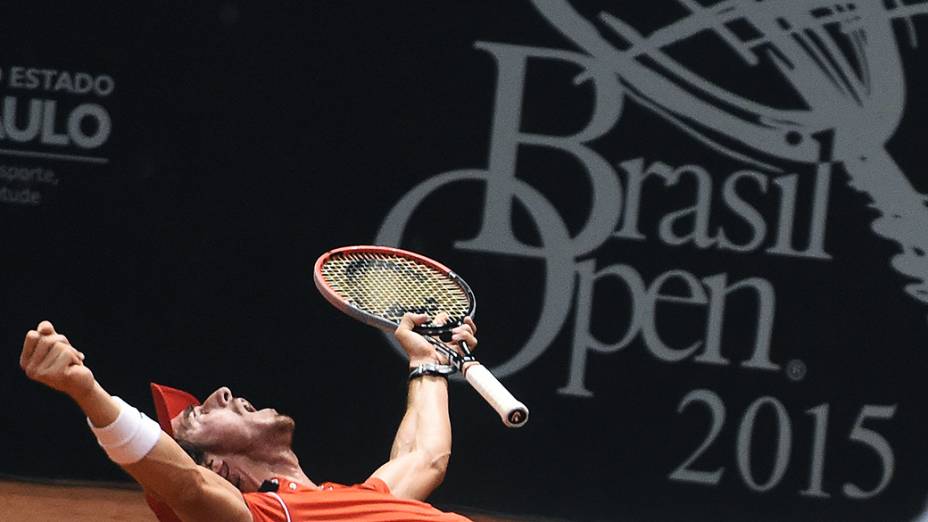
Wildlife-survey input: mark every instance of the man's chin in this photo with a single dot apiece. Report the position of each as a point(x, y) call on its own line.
point(287, 422)
point(284, 424)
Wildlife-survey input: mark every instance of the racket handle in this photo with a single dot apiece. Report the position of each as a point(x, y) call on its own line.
point(513, 412)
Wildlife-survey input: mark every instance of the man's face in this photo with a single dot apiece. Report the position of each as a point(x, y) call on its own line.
point(229, 425)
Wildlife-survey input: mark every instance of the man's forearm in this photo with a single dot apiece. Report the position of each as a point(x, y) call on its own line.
point(429, 398)
point(426, 425)
point(422, 447)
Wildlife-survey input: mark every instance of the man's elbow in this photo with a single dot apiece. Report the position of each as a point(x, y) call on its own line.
point(189, 492)
point(204, 499)
point(438, 465)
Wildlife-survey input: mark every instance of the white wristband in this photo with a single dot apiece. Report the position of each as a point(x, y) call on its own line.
point(130, 437)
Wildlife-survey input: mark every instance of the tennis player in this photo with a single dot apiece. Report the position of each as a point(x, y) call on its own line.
point(224, 460)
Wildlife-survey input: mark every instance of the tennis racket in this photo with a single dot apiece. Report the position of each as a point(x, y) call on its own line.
point(377, 285)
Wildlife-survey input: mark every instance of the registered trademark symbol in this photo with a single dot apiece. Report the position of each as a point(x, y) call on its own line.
point(796, 370)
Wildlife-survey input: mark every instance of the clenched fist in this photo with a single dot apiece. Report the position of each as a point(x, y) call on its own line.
point(50, 359)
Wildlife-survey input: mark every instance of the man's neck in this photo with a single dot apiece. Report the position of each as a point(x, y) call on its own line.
point(290, 469)
point(254, 472)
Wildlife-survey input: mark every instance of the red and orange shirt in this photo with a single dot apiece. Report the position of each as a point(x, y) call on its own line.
point(367, 502)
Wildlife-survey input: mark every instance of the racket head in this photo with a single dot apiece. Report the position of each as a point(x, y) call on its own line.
point(377, 285)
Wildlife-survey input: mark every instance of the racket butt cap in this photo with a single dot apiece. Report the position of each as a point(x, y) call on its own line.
point(516, 418)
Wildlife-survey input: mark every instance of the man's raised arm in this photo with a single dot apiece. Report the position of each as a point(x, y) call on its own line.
point(422, 447)
point(131, 440)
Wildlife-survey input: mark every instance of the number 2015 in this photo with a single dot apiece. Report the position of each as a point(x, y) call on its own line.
point(865, 437)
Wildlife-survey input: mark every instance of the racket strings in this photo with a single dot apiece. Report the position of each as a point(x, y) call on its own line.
point(389, 286)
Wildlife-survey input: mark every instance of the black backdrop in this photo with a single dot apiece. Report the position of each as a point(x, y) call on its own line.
point(249, 137)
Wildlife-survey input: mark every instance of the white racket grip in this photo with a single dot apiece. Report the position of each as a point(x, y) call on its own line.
point(513, 412)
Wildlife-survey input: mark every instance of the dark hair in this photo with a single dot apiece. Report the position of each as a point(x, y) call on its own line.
point(196, 453)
